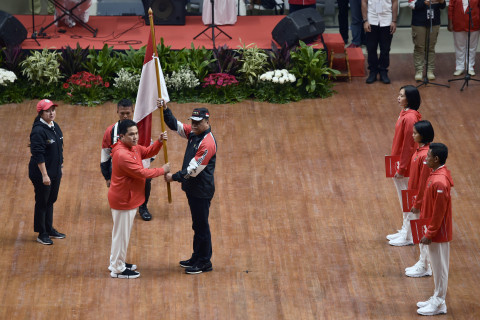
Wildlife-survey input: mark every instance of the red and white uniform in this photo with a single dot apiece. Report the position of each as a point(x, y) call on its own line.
point(419, 173)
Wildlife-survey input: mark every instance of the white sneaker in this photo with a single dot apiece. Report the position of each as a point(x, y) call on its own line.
point(400, 242)
point(416, 265)
point(430, 75)
point(471, 72)
point(419, 76)
point(394, 235)
point(458, 72)
point(432, 310)
point(422, 304)
point(420, 271)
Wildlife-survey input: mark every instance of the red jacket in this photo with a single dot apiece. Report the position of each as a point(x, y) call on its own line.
point(419, 173)
point(437, 204)
point(302, 2)
point(403, 144)
point(459, 17)
point(127, 187)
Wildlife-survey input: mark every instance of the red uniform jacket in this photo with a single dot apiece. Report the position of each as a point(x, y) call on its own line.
point(302, 2)
point(419, 173)
point(459, 17)
point(437, 204)
point(127, 187)
point(403, 144)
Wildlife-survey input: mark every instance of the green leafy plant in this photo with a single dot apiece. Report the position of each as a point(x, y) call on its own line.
point(199, 60)
point(253, 61)
point(131, 60)
point(226, 61)
point(103, 63)
point(42, 67)
point(86, 88)
point(72, 60)
point(12, 56)
point(310, 68)
point(280, 58)
point(170, 60)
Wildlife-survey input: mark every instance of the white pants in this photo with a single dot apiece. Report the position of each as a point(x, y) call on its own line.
point(122, 227)
point(460, 42)
point(401, 184)
point(439, 256)
point(424, 256)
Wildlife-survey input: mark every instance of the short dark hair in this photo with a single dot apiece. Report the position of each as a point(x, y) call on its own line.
point(124, 125)
point(413, 97)
point(439, 150)
point(124, 103)
point(425, 129)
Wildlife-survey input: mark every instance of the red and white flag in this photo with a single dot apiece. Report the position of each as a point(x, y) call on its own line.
point(147, 95)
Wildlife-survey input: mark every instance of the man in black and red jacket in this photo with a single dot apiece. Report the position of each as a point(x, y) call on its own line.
point(197, 181)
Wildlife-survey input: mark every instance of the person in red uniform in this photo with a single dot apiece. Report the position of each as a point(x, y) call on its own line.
point(127, 192)
point(437, 205)
point(423, 134)
point(403, 145)
point(295, 5)
point(110, 137)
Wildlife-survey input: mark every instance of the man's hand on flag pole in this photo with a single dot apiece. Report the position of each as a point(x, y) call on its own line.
point(163, 137)
point(161, 103)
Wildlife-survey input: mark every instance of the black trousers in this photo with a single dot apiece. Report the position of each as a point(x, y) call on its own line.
point(148, 188)
point(343, 19)
point(45, 197)
point(379, 37)
point(202, 240)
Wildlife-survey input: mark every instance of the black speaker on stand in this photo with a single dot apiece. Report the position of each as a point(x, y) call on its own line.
point(12, 31)
point(165, 12)
point(304, 24)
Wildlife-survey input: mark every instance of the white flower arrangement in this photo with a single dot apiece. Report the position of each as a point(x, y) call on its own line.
point(127, 81)
point(6, 77)
point(183, 79)
point(278, 76)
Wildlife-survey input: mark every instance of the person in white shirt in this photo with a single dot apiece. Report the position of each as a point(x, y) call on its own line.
point(379, 23)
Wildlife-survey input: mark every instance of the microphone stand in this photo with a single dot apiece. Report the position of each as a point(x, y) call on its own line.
point(213, 26)
point(34, 32)
point(425, 81)
point(467, 77)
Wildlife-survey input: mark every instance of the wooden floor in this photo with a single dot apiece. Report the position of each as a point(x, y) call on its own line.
point(298, 220)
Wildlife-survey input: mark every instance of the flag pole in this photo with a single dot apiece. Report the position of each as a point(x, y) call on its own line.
point(159, 89)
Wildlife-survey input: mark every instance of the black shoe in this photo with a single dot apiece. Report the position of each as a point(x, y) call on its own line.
point(144, 213)
point(130, 266)
point(372, 77)
point(200, 267)
point(187, 263)
point(57, 235)
point(384, 77)
point(44, 239)
point(126, 274)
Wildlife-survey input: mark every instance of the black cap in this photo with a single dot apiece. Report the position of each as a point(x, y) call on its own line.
point(199, 114)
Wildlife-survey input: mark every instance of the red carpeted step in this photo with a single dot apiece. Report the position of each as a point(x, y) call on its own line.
point(356, 60)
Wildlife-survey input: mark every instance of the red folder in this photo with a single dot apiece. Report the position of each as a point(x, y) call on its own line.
point(408, 198)
point(392, 163)
point(419, 228)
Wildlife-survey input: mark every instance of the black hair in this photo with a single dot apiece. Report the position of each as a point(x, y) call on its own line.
point(124, 125)
point(413, 97)
point(39, 115)
point(439, 150)
point(425, 129)
point(124, 103)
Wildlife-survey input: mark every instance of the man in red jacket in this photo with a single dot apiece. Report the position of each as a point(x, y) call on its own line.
point(127, 192)
point(437, 205)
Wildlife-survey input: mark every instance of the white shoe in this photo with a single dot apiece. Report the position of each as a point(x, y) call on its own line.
point(420, 271)
point(432, 310)
point(458, 72)
point(422, 304)
point(395, 235)
point(400, 242)
point(416, 265)
point(419, 76)
point(430, 75)
point(471, 72)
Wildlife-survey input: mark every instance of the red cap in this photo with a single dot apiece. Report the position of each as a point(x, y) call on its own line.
point(45, 104)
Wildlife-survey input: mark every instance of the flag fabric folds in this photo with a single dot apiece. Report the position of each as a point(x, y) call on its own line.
point(147, 95)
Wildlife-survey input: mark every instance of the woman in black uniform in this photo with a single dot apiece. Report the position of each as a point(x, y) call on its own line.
point(45, 169)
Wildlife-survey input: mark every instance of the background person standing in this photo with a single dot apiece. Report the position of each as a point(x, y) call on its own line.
point(45, 169)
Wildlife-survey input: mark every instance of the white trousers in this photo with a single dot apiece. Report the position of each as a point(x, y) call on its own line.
point(424, 256)
point(122, 227)
point(401, 184)
point(460, 42)
point(439, 256)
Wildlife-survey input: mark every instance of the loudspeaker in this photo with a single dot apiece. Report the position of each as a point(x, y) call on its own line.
point(304, 24)
point(165, 12)
point(12, 31)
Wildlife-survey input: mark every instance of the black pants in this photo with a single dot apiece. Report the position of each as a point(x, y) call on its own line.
point(343, 19)
point(45, 197)
point(379, 36)
point(202, 240)
point(148, 188)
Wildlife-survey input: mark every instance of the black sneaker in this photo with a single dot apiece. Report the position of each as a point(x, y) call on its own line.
point(57, 235)
point(126, 274)
point(384, 77)
point(187, 263)
point(144, 213)
point(199, 268)
point(372, 77)
point(44, 239)
point(131, 266)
